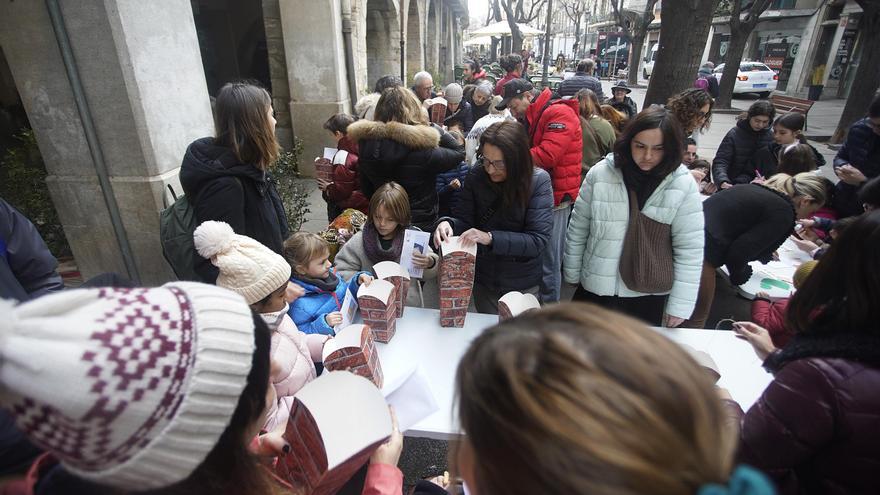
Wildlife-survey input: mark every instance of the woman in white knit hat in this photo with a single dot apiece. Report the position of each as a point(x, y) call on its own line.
point(139, 389)
point(260, 275)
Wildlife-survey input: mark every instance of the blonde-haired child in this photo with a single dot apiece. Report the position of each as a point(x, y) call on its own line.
point(382, 238)
point(260, 275)
point(318, 310)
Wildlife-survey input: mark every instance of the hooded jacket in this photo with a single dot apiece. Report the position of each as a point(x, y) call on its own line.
point(597, 230)
point(734, 161)
point(345, 190)
point(411, 155)
point(766, 159)
point(814, 429)
point(309, 310)
point(221, 188)
point(27, 268)
point(557, 143)
point(519, 235)
point(295, 354)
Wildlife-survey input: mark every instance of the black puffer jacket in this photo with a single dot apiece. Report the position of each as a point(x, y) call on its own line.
point(745, 223)
point(519, 236)
point(766, 159)
point(412, 156)
point(221, 188)
point(734, 160)
point(815, 427)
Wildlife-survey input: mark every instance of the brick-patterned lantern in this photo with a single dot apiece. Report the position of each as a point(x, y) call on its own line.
point(457, 266)
point(353, 350)
point(341, 402)
point(397, 275)
point(438, 110)
point(514, 303)
point(379, 308)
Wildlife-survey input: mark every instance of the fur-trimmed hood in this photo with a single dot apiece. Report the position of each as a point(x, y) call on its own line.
point(414, 137)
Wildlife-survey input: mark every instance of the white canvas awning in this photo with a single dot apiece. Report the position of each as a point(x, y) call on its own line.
point(502, 28)
point(479, 40)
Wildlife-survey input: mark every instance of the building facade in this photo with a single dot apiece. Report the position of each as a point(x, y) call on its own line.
point(113, 126)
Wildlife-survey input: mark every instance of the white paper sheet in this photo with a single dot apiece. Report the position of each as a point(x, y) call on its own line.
point(349, 310)
point(414, 240)
point(329, 152)
point(412, 398)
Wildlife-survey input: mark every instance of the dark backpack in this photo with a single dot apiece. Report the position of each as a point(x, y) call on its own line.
point(177, 223)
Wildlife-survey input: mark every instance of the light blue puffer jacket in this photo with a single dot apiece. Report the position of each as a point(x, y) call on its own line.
point(594, 241)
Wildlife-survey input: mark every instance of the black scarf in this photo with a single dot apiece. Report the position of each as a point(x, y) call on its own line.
point(374, 251)
point(325, 284)
point(641, 182)
point(862, 347)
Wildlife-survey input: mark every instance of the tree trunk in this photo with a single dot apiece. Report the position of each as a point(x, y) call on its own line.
point(867, 77)
point(735, 51)
point(635, 56)
point(683, 34)
point(493, 56)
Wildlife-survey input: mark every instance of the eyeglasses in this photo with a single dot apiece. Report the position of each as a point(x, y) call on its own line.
point(496, 164)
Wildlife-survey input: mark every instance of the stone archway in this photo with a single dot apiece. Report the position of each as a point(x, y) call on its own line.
point(415, 60)
point(382, 40)
point(432, 38)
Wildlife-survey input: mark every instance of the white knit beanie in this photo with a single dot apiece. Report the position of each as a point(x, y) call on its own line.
point(246, 266)
point(129, 388)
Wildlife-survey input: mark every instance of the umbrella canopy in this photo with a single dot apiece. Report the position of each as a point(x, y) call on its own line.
point(502, 28)
point(479, 40)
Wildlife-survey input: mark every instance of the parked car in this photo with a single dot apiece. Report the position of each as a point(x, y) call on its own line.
point(752, 77)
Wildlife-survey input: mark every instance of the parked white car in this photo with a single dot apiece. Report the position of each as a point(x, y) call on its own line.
point(752, 77)
point(649, 61)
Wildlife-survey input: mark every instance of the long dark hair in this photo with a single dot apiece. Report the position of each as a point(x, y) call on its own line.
point(653, 117)
point(511, 138)
point(243, 124)
point(840, 295)
point(230, 467)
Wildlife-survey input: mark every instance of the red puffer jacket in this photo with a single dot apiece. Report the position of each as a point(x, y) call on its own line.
point(815, 428)
point(345, 190)
point(557, 143)
point(771, 315)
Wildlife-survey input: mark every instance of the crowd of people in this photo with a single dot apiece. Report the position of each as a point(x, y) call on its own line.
point(187, 388)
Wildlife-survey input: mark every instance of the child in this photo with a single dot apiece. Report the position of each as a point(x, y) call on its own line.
point(700, 169)
point(787, 130)
point(734, 161)
point(318, 310)
point(449, 183)
point(771, 314)
point(260, 276)
point(382, 238)
point(345, 189)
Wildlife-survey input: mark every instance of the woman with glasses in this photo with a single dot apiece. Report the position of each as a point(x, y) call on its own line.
point(505, 207)
point(693, 110)
point(635, 240)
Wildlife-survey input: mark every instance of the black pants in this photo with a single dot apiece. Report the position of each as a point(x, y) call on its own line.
point(646, 308)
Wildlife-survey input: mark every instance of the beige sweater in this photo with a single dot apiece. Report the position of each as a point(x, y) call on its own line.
point(352, 258)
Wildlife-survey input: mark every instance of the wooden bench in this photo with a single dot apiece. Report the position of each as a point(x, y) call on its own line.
point(786, 104)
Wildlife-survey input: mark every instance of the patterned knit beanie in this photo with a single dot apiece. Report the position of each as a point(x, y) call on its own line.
point(128, 388)
point(246, 266)
point(802, 272)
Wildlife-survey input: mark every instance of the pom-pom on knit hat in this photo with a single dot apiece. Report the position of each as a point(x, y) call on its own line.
point(128, 388)
point(246, 266)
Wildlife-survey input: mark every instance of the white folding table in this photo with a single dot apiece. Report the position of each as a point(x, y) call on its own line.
point(420, 340)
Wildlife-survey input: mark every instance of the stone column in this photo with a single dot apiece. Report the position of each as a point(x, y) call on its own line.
point(144, 83)
point(315, 69)
point(278, 73)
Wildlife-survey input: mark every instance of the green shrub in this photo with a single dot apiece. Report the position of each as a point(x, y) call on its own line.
point(287, 180)
point(23, 185)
